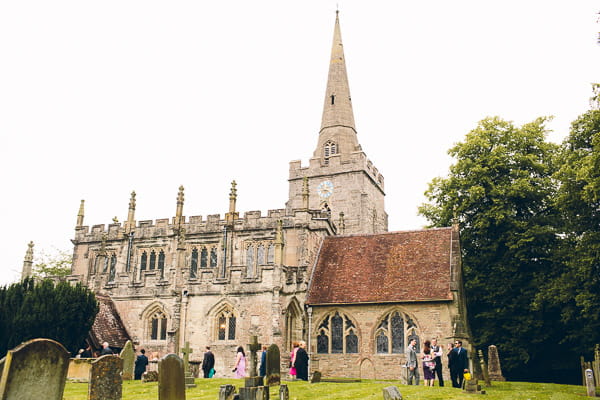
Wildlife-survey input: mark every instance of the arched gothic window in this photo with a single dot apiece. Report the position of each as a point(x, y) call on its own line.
point(260, 255)
point(329, 149)
point(143, 261)
point(250, 260)
point(226, 324)
point(113, 267)
point(204, 258)
point(158, 326)
point(152, 259)
point(271, 254)
point(213, 257)
point(393, 333)
point(337, 334)
point(161, 262)
point(194, 264)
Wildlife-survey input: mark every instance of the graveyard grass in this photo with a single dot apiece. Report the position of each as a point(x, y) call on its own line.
point(208, 389)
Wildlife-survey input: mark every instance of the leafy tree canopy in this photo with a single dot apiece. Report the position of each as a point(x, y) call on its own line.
point(52, 265)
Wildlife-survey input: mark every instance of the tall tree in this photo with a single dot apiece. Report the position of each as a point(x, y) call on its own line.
point(500, 189)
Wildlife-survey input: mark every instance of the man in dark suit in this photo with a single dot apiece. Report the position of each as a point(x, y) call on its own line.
point(208, 362)
point(141, 362)
point(460, 364)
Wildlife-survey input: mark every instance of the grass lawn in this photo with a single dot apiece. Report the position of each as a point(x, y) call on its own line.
point(208, 389)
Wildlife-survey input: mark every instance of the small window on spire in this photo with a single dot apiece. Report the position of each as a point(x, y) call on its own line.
point(332, 99)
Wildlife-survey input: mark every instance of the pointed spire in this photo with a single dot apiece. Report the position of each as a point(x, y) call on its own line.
point(80, 215)
point(130, 225)
point(232, 215)
point(337, 123)
point(27, 262)
point(179, 211)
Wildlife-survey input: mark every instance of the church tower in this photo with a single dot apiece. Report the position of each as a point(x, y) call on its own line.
point(341, 180)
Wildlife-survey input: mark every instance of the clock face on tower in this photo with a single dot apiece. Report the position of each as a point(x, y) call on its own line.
point(325, 189)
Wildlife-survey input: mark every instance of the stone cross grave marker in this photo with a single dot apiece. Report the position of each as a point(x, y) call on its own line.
point(128, 357)
point(253, 347)
point(494, 370)
point(36, 369)
point(171, 379)
point(484, 369)
point(189, 379)
point(273, 367)
point(105, 378)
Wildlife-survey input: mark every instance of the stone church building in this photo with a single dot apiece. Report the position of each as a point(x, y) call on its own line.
point(323, 269)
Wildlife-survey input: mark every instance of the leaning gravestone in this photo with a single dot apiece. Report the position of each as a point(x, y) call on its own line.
point(391, 393)
point(226, 392)
point(273, 367)
point(484, 369)
point(171, 378)
point(128, 357)
point(36, 369)
point(494, 370)
point(105, 378)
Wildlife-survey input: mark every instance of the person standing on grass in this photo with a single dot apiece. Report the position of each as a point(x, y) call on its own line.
point(141, 362)
point(208, 362)
point(411, 362)
point(301, 361)
point(460, 364)
point(240, 363)
point(437, 357)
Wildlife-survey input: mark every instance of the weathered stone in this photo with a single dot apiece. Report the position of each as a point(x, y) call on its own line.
point(150, 376)
point(316, 377)
point(226, 392)
point(254, 393)
point(105, 378)
point(484, 369)
point(284, 392)
point(472, 386)
point(253, 347)
point(171, 378)
point(36, 369)
point(79, 369)
point(128, 357)
point(589, 383)
point(189, 378)
point(391, 393)
point(494, 370)
point(273, 367)
point(253, 381)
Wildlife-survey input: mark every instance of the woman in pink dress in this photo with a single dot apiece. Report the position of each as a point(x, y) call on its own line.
point(240, 363)
point(293, 360)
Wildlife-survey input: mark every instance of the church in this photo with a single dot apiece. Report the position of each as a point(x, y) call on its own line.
point(323, 269)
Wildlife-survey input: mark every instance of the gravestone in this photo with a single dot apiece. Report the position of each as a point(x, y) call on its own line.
point(150, 376)
point(494, 370)
point(36, 369)
point(316, 377)
point(284, 393)
point(392, 393)
point(273, 367)
point(105, 378)
point(589, 383)
point(171, 378)
point(189, 378)
point(254, 393)
point(128, 357)
point(472, 386)
point(253, 380)
point(484, 369)
point(226, 392)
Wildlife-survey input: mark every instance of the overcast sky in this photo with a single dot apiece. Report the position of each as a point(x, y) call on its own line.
point(101, 98)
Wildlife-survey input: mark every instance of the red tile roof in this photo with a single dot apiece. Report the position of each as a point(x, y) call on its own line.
point(108, 326)
point(404, 266)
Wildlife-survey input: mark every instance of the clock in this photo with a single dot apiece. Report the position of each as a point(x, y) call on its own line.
point(325, 189)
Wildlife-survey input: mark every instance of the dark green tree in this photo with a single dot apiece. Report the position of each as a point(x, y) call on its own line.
point(500, 190)
point(59, 311)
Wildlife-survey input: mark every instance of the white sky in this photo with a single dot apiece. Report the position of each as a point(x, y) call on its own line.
point(101, 98)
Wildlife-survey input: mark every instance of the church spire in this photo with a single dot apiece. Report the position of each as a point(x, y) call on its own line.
point(337, 123)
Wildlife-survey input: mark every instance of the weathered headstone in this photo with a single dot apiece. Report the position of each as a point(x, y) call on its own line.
point(150, 376)
point(128, 357)
point(273, 367)
point(226, 392)
point(105, 378)
point(392, 393)
point(189, 378)
point(171, 379)
point(36, 369)
point(254, 393)
point(253, 379)
point(494, 370)
point(472, 386)
point(316, 377)
point(589, 383)
point(284, 393)
point(484, 369)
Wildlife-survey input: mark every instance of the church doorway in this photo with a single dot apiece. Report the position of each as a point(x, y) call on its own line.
point(294, 324)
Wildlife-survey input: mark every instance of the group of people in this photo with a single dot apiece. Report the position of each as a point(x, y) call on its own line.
point(431, 356)
point(299, 361)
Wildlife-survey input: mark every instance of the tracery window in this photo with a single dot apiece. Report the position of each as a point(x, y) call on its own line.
point(337, 333)
point(194, 264)
point(152, 260)
point(393, 333)
point(158, 326)
point(213, 257)
point(226, 324)
point(329, 149)
point(204, 258)
point(143, 261)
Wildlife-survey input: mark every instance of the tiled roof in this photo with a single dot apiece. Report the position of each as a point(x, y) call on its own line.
point(390, 267)
point(108, 326)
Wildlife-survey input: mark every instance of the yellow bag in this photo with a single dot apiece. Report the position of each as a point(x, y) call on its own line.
point(467, 376)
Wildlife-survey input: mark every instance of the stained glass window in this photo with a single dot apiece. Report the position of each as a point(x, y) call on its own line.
point(226, 325)
point(231, 333)
point(395, 328)
point(397, 323)
point(194, 264)
point(337, 334)
point(322, 343)
point(222, 327)
point(382, 343)
point(351, 342)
